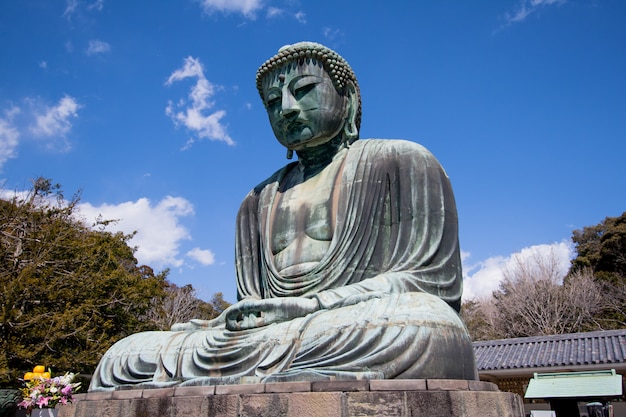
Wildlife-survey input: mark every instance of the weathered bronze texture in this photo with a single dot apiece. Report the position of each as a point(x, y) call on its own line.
point(348, 263)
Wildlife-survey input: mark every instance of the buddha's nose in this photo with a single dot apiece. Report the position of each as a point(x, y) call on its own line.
point(290, 108)
point(290, 113)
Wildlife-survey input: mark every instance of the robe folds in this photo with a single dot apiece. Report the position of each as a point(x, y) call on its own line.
point(389, 288)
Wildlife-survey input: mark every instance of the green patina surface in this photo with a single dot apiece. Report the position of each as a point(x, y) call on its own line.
point(348, 260)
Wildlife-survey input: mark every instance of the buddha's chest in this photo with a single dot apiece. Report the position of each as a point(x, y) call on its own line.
point(303, 214)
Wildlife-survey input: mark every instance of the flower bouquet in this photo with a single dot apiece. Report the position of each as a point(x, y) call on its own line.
point(44, 391)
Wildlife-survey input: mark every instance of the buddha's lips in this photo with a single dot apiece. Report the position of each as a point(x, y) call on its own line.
point(293, 125)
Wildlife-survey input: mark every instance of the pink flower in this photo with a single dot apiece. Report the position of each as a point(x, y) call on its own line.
point(25, 404)
point(42, 401)
point(48, 392)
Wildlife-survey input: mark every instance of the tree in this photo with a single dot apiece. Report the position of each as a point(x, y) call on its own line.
point(215, 307)
point(539, 306)
point(480, 318)
point(532, 301)
point(533, 298)
point(601, 249)
point(180, 304)
point(67, 292)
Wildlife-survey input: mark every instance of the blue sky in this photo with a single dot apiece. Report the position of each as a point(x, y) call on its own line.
point(151, 109)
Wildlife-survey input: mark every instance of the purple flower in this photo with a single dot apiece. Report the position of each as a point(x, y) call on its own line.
point(48, 392)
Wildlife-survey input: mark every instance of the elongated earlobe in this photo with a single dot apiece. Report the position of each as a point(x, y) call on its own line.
point(289, 153)
point(350, 130)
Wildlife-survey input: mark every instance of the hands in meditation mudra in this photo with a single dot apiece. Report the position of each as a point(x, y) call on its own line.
point(348, 263)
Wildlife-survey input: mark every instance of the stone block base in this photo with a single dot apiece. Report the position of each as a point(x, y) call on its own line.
point(433, 398)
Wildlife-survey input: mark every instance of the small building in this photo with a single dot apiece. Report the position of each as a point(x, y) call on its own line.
point(577, 393)
point(511, 363)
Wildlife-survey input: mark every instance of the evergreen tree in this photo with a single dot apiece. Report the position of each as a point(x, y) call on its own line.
point(602, 249)
point(67, 291)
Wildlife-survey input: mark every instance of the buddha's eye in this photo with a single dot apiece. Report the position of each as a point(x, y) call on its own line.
point(301, 91)
point(302, 85)
point(272, 100)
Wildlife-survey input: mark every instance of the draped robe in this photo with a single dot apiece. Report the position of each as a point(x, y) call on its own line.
point(389, 288)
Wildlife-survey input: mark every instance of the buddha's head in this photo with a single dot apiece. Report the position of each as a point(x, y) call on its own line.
point(311, 96)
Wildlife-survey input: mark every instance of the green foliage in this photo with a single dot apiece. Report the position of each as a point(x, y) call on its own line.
point(67, 292)
point(602, 249)
point(213, 308)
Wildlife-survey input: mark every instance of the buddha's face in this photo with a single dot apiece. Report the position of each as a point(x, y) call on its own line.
point(304, 108)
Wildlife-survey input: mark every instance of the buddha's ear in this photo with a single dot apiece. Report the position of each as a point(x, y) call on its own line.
point(350, 129)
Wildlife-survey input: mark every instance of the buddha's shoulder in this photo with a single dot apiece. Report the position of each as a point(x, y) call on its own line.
point(270, 181)
point(394, 149)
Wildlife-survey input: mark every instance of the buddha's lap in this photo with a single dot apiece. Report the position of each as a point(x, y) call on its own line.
point(377, 321)
point(410, 335)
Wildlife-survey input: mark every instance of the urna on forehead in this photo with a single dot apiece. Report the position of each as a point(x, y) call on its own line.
point(302, 53)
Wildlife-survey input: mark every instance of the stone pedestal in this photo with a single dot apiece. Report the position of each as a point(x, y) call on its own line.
point(433, 398)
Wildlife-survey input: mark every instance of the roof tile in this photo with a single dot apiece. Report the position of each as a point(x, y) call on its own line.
point(591, 348)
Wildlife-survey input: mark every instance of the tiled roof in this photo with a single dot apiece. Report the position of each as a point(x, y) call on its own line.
point(565, 350)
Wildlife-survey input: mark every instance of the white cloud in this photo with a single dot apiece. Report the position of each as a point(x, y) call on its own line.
point(203, 256)
point(75, 7)
point(70, 8)
point(188, 144)
point(332, 34)
point(9, 135)
point(248, 8)
point(43, 64)
point(192, 68)
point(158, 227)
point(526, 8)
point(97, 47)
point(482, 278)
point(195, 114)
point(300, 17)
point(158, 231)
point(274, 12)
point(245, 7)
point(96, 5)
point(55, 121)
point(42, 121)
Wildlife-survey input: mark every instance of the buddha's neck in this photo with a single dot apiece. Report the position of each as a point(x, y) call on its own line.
point(313, 160)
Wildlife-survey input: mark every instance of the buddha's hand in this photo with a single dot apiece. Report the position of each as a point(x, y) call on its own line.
point(250, 314)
